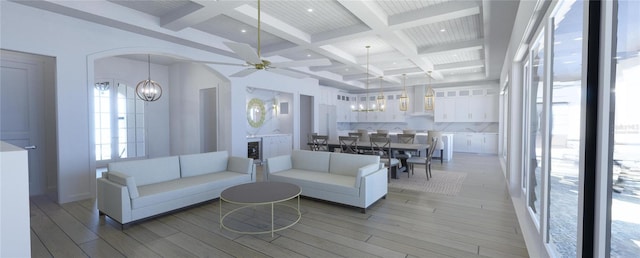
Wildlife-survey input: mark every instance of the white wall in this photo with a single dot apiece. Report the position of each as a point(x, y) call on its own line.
point(187, 79)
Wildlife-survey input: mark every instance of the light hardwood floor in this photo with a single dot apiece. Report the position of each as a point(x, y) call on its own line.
point(479, 222)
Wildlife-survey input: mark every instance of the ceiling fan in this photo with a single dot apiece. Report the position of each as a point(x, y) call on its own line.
point(254, 62)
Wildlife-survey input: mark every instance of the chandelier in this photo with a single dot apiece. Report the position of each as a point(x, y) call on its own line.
point(404, 99)
point(102, 86)
point(148, 90)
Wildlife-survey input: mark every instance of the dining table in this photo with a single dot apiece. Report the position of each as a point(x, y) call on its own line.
point(407, 147)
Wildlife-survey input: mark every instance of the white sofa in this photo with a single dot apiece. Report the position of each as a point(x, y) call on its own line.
point(356, 180)
point(133, 190)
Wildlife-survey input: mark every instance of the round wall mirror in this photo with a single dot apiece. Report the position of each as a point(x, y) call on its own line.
point(255, 112)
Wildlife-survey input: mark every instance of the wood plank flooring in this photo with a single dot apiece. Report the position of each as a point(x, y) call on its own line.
point(479, 222)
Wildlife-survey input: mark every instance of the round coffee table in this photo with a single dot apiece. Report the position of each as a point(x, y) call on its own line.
point(260, 193)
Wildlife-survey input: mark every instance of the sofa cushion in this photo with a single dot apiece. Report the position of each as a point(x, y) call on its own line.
point(170, 190)
point(149, 171)
point(203, 163)
point(318, 180)
point(310, 160)
point(348, 164)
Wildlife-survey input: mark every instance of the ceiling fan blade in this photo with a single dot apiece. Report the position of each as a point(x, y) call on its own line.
point(299, 63)
point(244, 72)
point(245, 52)
point(288, 73)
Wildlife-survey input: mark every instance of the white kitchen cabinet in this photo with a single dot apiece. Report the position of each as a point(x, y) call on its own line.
point(476, 143)
point(445, 106)
point(489, 143)
point(466, 105)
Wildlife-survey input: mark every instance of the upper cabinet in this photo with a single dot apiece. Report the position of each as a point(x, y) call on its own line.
point(466, 105)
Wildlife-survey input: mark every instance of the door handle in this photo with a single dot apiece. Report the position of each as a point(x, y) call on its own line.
point(30, 147)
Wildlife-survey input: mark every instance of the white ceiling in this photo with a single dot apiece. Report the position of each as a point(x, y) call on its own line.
point(456, 39)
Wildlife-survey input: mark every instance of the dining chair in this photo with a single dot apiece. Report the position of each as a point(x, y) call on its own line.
point(426, 161)
point(382, 132)
point(356, 134)
point(405, 138)
point(310, 140)
point(381, 146)
point(440, 146)
point(320, 143)
point(364, 135)
point(378, 135)
point(348, 144)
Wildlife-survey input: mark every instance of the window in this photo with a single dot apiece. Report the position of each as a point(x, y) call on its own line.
point(565, 132)
point(119, 123)
point(534, 128)
point(624, 168)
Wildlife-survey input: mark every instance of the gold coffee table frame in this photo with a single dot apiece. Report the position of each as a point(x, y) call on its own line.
point(260, 193)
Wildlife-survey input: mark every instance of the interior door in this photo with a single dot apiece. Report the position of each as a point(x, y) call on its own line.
point(21, 107)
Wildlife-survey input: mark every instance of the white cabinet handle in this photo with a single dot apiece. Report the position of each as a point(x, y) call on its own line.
point(31, 147)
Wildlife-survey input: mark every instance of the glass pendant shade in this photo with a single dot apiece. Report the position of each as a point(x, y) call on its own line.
point(149, 90)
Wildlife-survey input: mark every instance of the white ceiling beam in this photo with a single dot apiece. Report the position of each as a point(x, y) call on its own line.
point(460, 65)
point(333, 67)
point(401, 71)
point(196, 12)
point(433, 14)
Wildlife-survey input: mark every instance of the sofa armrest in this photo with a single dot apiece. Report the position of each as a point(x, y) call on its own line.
point(279, 163)
point(114, 200)
point(365, 171)
point(374, 186)
point(240, 165)
point(125, 180)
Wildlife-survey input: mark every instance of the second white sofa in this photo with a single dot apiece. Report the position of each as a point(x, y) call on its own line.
point(356, 180)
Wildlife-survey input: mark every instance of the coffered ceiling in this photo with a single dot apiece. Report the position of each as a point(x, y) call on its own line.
point(462, 41)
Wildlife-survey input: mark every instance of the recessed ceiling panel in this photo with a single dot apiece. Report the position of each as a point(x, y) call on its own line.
point(234, 30)
point(393, 65)
point(356, 47)
point(301, 55)
point(155, 8)
point(455, 56)
point(312, 17)
point(456, 30)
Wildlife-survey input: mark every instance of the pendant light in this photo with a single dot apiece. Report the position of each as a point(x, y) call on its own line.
point(404, 99)
point(149, 90)
point(429, 97)
point(364, 107)
point(380, 101)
